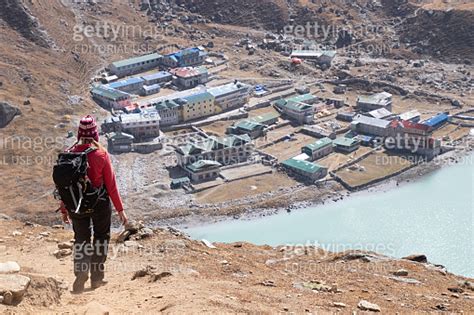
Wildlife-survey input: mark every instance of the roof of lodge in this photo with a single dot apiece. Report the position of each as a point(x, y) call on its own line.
point(135, 60)
point(256, 122)
point(379, 98)
point(435, 120)
point(138, 117)
point(304, 166)
point(156, 75)
point(380, 113)
point(264, 118)
point(319, 144)
point(296, 103)
point(166, 104)
point(121, 83)
point(409, 125)
point(189, 72)
point(410, 115)
point(226, 89)
point(248, 125)
point(213, 143)
point(199, 97)
point(109, 93)
point(151, 87)
point(381, 123)
point(345, 142)
point(203, 165)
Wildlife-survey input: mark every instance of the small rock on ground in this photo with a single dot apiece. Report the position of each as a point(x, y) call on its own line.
point(367, 306)
point(9, 267)
point(14, 284)
point(400, 273)
point(417, 257)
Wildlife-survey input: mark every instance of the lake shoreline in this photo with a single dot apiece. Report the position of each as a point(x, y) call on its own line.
point(413, 174)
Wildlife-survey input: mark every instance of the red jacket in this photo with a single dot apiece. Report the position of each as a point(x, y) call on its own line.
point(100, 172)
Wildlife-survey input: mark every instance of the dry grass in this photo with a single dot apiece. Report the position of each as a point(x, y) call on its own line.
point(288, 149)
point(376, 166)
point(454, 132)
point(245, 188)
point(262, 111)
point(218, 128)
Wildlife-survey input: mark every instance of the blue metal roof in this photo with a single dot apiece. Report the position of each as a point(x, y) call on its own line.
point(157, 75)
point(436, 120)
point(122, 83)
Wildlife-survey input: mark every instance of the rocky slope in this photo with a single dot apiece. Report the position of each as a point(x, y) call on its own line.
point(162, 270)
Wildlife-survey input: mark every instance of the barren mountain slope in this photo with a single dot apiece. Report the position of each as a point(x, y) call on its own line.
point(188, 277)
point(46, 67)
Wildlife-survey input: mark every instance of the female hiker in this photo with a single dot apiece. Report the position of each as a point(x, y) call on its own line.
point(90, 257)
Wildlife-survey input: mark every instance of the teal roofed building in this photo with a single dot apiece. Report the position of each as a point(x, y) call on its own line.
point(198, 105)
point(298, 108)
point(304, 169)
point(225, 150)
point(110, 98)
point(254, 127)
point(346, 145)
point(318, 149)
point(135, 65)
point(203, 170)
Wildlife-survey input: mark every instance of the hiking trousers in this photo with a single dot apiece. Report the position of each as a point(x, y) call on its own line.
point(91, 256)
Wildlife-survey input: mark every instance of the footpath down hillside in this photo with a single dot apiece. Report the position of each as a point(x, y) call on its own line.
point(174, 274)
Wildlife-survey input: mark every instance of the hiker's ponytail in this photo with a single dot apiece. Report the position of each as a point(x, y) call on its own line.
point(99, 146)
point(95, 143)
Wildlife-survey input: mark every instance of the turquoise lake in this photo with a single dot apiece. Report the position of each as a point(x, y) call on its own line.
point(433, 215)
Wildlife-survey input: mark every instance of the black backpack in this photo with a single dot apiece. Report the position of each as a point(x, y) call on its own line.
point(73, 187)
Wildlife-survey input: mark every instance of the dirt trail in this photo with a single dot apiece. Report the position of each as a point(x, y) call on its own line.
point(230, 278)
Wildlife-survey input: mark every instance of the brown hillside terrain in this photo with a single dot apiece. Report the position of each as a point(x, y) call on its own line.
point(50, 82)
point(231, 278)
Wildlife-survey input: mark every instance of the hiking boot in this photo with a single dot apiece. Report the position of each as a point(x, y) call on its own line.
point(78, 286)
point(98, 284)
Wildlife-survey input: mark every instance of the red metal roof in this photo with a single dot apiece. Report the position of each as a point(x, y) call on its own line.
point(409, 125)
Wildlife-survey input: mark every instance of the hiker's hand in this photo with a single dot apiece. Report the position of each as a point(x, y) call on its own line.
point(123, 217)
point(65, 218)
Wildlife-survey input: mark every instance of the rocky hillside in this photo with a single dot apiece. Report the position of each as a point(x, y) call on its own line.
point(163, 270)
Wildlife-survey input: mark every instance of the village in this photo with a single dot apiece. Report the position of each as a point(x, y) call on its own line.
point(225, 134)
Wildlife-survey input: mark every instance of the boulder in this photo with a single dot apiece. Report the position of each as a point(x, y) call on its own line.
point(400, 273)
point(7, 113)
point(367, 306)
point(417, 257)
point(13, 287)
point(65, 245)
point(60, 253)
point(9, 267)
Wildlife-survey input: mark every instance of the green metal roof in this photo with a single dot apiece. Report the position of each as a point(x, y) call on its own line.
point(321, 143)
point(302, 98)
point(264, 118)
point(304, 166)
point(202, 165)
point(296, 103)
point(167, 104)
point(135, 60)
point(199, 97)
point(345, 142)
point(248, 125)
point(108, 93)
point(299, 107)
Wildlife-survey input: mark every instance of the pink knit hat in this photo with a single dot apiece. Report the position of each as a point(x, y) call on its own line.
point(88, 128)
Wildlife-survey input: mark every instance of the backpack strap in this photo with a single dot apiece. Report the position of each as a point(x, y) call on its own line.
point(89, 150)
